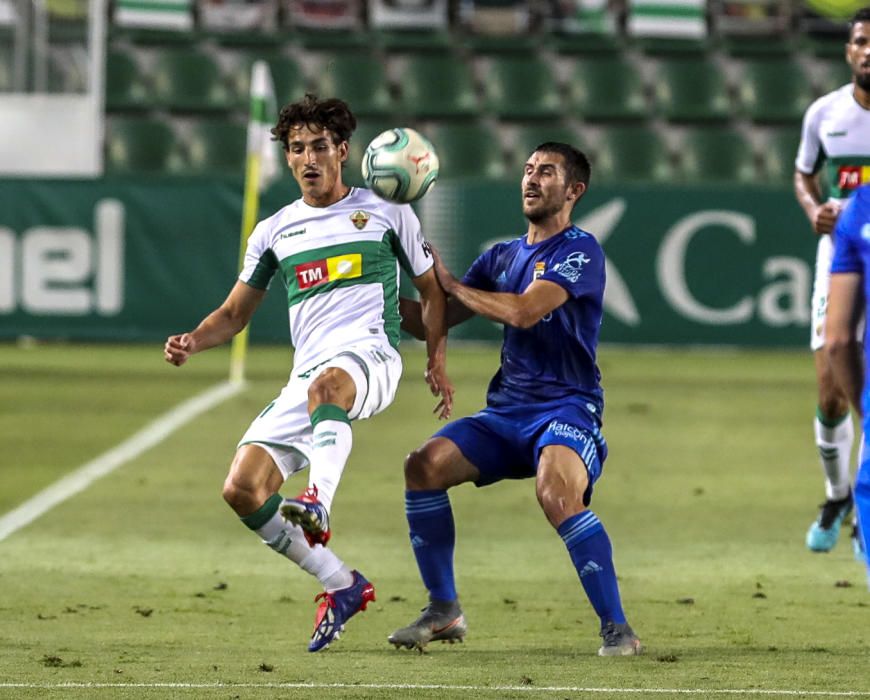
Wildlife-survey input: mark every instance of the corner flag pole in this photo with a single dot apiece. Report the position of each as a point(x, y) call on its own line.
point(261, 166)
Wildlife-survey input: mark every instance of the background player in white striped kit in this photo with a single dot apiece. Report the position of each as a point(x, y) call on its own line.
point(338, 250)
point(836, 135)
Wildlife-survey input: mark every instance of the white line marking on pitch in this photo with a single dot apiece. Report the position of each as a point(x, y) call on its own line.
point(77, 481)
point(433, 686)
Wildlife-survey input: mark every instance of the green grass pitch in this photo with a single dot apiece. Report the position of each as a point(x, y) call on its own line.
point(145, 585)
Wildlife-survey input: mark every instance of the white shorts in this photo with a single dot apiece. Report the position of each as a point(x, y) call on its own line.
point(821, 285)
point(284, 429)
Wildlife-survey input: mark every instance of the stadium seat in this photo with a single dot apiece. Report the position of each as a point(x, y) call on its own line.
point(774, 90)
point(467, 149)
point(217, 146)
point(530, 136)
point(716, 155)
point(606, 87)
point(691, 89)
point(287, 77)
point(629, 153)
point(141, 145)
point(521, 87)
point(126, 88)
point(778, 154)
point(189, 80)
point(6, 66)
point(359, 78)
point(437, 85)
point(366, 130)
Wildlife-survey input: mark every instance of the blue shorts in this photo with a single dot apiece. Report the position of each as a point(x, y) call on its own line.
point(505, 442)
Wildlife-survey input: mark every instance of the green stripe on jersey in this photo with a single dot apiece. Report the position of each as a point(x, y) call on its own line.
point(262, 274)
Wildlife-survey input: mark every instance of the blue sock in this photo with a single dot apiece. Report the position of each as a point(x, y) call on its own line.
point(430, 521)
point(592, 555)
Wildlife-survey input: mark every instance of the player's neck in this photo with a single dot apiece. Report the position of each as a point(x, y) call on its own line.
point(542, 230)
point(862, 97)
point(339, 192)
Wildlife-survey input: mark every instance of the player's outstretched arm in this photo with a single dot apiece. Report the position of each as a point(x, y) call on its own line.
point(845, 310)
point(216, 328)
point(433, 315)
point(412, 315)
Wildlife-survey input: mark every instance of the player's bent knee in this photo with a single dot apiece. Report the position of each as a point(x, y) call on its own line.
point(421, 471)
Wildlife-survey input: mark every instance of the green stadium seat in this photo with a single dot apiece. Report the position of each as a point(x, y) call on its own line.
point(466, 149)
point(6, 67)
point(366, 130)
point(358, 78)
point(189, 80)
point(217, 146)
point(721, 154)
point(586, 43)
point(774, 90)
point(141, 145)
point(529, 136)
point(437, 85)
point(628, 153)
point(288, 77)
point(691, 89)
point(521, 87)
point(126, 88)
point(778, 155)
point(606, 87)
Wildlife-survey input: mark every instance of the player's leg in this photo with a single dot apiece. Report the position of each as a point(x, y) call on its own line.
point(354, 385)
point(429, 472)
point(862, 506)
point(563, 487)
point(832, 426)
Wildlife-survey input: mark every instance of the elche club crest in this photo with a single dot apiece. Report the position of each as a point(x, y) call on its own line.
point(360, 218)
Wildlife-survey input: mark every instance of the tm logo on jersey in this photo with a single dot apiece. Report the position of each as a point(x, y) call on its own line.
point(572, 267)
point(851, 176)
point(341, 267)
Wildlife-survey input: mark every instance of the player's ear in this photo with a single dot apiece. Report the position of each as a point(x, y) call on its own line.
point(343, 150)
point(576, 191)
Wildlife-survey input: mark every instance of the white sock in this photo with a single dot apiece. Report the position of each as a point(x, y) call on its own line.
point(835, 448)
point(333, 439)
point(322, 563)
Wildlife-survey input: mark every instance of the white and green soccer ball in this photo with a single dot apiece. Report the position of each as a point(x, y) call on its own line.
point(400, 165)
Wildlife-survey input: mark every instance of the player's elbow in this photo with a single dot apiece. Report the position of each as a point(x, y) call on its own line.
point(523, 318)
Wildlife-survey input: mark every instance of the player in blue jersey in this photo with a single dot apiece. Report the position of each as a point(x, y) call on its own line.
point(849, 295)
point(544, 405)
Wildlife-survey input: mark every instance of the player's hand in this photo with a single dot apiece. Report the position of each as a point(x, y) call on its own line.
point(825, 217)
point(440, 385)
point(445, 277)
point(178, 348)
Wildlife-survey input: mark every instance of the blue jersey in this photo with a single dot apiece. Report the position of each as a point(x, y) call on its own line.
point(554, 360)
point(852, 254)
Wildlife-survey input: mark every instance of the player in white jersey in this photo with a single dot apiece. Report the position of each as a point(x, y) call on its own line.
point(338, 251)
point(836, 135)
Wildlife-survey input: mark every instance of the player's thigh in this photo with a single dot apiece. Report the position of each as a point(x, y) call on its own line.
point(438, 464)
point(562, 476)
point(375, 370)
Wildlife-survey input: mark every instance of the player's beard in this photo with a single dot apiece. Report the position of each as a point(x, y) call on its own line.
point(862, 80)
point(542, 213)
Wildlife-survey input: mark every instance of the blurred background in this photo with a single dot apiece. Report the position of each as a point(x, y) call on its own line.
point(123, 136)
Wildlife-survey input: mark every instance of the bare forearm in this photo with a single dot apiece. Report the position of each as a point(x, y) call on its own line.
point(216, 329)
point(433, 317)
point(497, 306)
point(412, 315)
point(807, 193)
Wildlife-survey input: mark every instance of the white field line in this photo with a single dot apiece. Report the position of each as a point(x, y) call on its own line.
point(77, 481)
point(706, 692)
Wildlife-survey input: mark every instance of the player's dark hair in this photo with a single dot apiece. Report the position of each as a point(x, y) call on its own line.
point(577, 167)
point(331, 114)
point(862, 15)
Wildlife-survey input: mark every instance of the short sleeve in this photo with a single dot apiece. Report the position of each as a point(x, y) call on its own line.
point(847, 237)
point(260, 263)
point(413, 252)
point(809, 155)
point(578, 267)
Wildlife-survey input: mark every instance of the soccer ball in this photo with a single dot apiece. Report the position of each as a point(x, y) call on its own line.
point(400, 165)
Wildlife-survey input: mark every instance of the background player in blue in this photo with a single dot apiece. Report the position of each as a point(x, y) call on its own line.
point(849, 294)
point(544, 404)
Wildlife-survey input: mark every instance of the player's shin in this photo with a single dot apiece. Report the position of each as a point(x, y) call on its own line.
point(430, 522)
point(834, 437)
point(332, 442)
point(289, 541)
point(592, 556)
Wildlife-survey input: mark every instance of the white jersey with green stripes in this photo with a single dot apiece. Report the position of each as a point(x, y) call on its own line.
point(340, 267)
point(836, 136)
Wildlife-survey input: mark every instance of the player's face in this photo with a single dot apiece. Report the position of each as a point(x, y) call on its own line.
point(544, 188)
point(316, 163)
point(858, 54)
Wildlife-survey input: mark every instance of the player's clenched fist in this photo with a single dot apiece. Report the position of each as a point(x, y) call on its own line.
point(178, 348)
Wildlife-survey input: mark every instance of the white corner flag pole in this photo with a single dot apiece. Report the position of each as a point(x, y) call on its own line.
point(261, 167)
